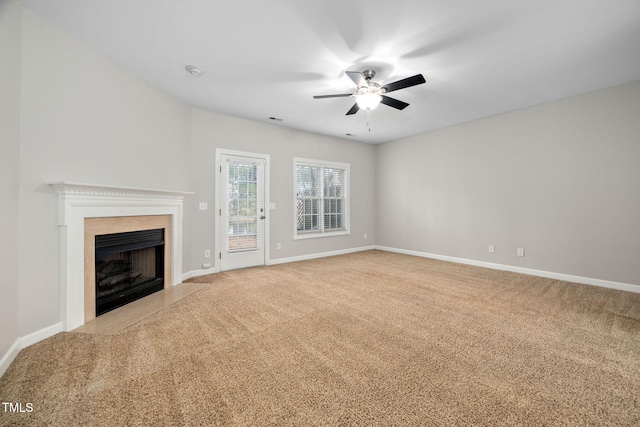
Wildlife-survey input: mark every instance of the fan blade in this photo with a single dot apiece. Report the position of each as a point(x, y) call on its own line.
point(358, 78)
point(353, 109)
point(332, 96)
point(401, 84)
point(392, 102)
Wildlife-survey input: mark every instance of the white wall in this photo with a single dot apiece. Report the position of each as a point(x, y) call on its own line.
point(10, 18)
point(561, 180)
point(84, 119)
point(211, 131)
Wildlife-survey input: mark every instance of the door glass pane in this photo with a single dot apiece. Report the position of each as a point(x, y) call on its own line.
point(242, 198)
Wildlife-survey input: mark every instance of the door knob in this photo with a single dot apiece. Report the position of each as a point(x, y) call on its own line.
point(262, 217)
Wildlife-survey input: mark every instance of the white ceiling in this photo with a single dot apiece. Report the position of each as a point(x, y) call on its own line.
point(268, 58)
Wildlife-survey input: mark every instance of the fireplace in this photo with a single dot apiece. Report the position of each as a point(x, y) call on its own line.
point(126, 258)
point(86, 211)
point(128, 266)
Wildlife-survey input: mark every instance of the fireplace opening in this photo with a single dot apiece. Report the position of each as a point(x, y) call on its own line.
point(128, 266)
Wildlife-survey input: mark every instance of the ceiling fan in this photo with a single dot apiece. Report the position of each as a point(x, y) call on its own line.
point(369, 94)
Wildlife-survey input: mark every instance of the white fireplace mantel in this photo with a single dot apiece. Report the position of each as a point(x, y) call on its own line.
point(79, 201)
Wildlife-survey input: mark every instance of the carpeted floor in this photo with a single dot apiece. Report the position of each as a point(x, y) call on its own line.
point(368, 339)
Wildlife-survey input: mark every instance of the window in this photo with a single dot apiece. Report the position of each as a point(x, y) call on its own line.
point(321, 198)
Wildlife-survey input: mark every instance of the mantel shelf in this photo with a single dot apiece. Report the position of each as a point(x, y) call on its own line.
point(89, 190)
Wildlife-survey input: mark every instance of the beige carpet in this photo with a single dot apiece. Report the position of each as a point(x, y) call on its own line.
point(370, 339)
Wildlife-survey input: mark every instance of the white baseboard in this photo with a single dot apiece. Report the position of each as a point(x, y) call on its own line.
point(532, 272)
point(198, 273)
point(40, 335)
point(25, 341)
point(9, 357)
point(319, 255)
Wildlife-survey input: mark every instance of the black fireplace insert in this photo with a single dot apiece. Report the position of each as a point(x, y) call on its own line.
point(129, 266)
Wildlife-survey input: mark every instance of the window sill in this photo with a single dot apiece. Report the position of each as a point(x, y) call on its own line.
point(310, 235)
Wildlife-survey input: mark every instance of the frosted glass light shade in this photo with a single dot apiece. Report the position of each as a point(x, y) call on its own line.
point(368, 101)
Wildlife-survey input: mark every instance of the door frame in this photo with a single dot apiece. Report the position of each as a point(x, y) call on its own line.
point(219, 238)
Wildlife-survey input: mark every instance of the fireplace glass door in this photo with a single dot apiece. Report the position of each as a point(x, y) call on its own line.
point(128, 266)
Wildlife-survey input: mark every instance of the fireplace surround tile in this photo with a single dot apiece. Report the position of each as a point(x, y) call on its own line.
point(121, 224)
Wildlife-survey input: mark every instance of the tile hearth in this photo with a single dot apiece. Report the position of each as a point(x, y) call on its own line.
point(121, 318)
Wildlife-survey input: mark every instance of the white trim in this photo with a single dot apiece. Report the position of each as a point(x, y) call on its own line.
point(41, 334)
point(9, 357)
point(321, 163)
point(198, 273)
point(79, 201)
point(320, 255)
point(25, 341)
point(65, 187)
point(218, 243)
point(532, 272)
point(318, 234)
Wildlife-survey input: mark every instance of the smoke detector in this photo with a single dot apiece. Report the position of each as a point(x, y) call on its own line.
point(194, 71)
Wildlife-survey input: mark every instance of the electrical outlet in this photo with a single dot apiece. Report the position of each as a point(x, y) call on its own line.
point(278, 246)
point(207, 253)
point(204, 266)
point(520, 252)
point(365, 236)
point(492, 249)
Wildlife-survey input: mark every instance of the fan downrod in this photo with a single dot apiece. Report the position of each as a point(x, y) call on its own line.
point(369, 74)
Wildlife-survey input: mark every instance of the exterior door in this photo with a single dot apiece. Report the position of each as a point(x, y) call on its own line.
point(242, 212)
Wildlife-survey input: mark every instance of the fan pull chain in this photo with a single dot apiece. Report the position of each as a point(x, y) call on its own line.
point(368, 118)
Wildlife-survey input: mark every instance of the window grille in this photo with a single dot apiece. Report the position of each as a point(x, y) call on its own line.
point(321, 198)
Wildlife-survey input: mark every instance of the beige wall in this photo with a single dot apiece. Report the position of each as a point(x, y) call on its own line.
point(561, 180)
point(84, 119)
point(211, 131)
point(10, 16)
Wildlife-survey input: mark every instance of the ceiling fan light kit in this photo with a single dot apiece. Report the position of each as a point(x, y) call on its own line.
point(368, 101)
point(370, 94)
